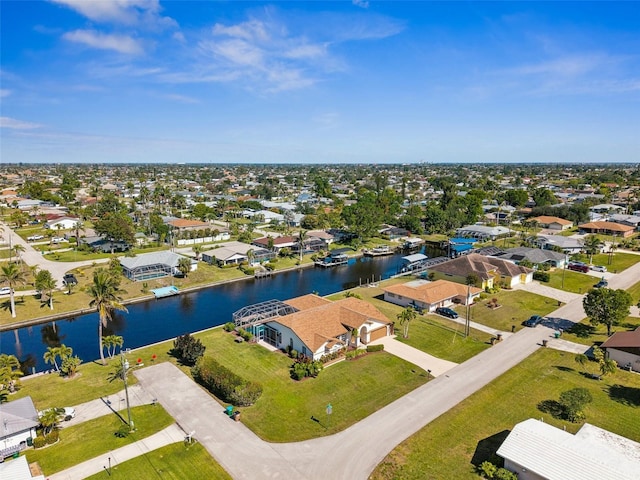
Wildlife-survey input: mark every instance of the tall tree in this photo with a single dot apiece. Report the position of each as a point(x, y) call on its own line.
point(46, 284)
point(607, 306)
point(406, 316)
point(12, 276)
point(105, 297)
point(592, 245)
point(184, 266)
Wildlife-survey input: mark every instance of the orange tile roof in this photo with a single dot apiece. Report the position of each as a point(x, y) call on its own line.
point(546, 219)
point(306, 302)
point(612, 226)
point(432, 292)
point(183, 223)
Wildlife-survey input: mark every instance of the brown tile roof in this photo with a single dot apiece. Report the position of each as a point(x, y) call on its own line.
point(546, 219)
point(612, 226)
point(623, 339)
point(306, 302)
point(324, 323)
point(432, 292)
point(483, 267)
point(276, 240)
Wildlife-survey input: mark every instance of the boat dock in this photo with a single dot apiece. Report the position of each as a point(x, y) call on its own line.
point(378, 251)
point(335, 258)
point(165, 291)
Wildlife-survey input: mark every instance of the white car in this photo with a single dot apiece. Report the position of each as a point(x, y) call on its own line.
point(5, 291)
point(58, 239)
point(35, 237)
point(598, 268)
point(65, 413)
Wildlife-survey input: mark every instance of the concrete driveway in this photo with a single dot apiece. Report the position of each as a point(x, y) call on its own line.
point(435, 365)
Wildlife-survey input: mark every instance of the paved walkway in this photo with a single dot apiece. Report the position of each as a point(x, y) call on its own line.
point(172, 434)
point(549, 292)
point(567, 346)
point(436, 365)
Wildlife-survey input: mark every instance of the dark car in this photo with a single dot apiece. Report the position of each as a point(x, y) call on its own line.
point(446, 312)
point(601, 284)
point(69, 279)
point(532, 321)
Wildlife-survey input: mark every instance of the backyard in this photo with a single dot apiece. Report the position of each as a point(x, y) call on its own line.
point(470, 433)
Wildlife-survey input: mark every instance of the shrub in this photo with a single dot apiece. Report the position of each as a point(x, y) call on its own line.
point(489, 470)
point(333, 355)
point(188, 349)
point(52, 437)
point(293, 353)
point(70, 366)
point(305, 367)
point(246, 336)
point(225, 384)
point(541, 276)
point(229, 327)
point(350, 355)
point(39, 442)
point(375, 348)
point(123, 431)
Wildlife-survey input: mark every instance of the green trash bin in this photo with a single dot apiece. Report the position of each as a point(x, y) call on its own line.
point(29, 442)
point(230, 410)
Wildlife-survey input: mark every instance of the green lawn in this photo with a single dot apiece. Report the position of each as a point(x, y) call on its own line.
point(471, 432)
point(574, 282)
point(432, 335)
point(283, 413)
point(96, 437)
point(173, 462)
point(588, 334)
point(634, 290)
point(619, 261)
point(517, 306)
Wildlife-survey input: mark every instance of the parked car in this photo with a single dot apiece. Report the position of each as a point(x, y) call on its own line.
point(578, 267)
point(598, 268)
point(446, 312)
point(58, 239)
point(5, 291)
point(33, 238)
point(601, 284)
point(69, 279)
point(532, 321)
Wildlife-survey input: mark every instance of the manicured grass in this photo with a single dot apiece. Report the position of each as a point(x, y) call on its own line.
point(283, 413)
point(634, 290)
point(471, 432)
point(447, 341)
point(588, 334)
point(95, 437)
point(574, 282)
point(517, 306)
point(619, 261)
point(174, 462)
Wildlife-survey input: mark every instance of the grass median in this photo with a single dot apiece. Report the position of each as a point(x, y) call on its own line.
point(471, 432)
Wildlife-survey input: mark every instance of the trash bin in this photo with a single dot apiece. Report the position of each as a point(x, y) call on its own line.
point(236, 415)
point(29, 442)
point(556, 334)
point(230, 410)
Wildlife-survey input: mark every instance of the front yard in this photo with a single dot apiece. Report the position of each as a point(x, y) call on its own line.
point(470, 433)
point(588, 334)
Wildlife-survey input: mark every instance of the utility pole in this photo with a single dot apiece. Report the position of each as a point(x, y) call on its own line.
point(125, 370)
point(467, 326)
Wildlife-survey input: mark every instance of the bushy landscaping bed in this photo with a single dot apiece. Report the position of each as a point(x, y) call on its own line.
point(455, 443)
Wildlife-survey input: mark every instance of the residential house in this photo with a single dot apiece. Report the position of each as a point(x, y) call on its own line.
point(55, 222)
point(101, 244)
point(490, 271)
point(185, 225)
point(631, 220)
point(428, 296)
point(552, 223)
point(233, 253)
point(147, 266)
point(286, 241)
point(320, 326)
point(534, 255)
point(566, 244)
point(607, 208)
point(535, 450)
point(18, 469)
point(624, 348)
point(18, 422)
point(607, 228)
point(483, 232)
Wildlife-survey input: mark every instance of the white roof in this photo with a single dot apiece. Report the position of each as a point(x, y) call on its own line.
point(17, 469)
point(153, 258)
point(554, 454)
point(484, 229)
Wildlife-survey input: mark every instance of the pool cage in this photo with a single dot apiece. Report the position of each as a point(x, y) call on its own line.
point(253, 316)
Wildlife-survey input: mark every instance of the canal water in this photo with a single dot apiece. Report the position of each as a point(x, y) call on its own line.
point(158, 320)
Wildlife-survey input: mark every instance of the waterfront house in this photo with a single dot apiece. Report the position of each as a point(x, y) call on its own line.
point(534, 255)
point(483, 232)
point(147, 266)
point(427, 296)
point(233, 253)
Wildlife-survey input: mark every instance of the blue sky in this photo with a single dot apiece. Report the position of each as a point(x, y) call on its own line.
point(319, 82)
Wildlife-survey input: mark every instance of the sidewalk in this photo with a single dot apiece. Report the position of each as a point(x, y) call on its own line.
point(171, 434)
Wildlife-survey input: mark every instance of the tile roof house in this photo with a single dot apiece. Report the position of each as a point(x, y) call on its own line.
point(279, 243)
point(552, 223)
point(489, 270)
point(607, 228)
point(533, 255)
point(320, 326)
point(535, 450)
point(18, 422)
point(428, 296)
point(624, 348)
point(183, 224)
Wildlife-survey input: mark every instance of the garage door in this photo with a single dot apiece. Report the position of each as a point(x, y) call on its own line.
point(379, 333)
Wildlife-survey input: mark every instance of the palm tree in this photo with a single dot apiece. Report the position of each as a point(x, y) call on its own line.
point(46, 283)
point(406, 317)
point(51, 356)
point(592, 245)
point(104, 292)
point(18, 249)
point(251, 255)
point(111, 342)
point(12, 276)
point(301, 238)
point(184, 266)
point(197, 250)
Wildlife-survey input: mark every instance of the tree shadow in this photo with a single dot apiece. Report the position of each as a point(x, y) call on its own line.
point(582, 330)
point(562, 368)
point(487, 448)
point(629, 396)
point(552, 407)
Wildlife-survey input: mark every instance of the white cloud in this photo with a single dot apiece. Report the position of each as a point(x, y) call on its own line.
point(236, 51)
point(252, 30)
point(5, 92)
point(104, 41)
point(181, 98)
point(8, 122)
point(361, 3)
point(143, 13)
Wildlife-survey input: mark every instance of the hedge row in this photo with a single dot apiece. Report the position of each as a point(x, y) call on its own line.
point(225, 384)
